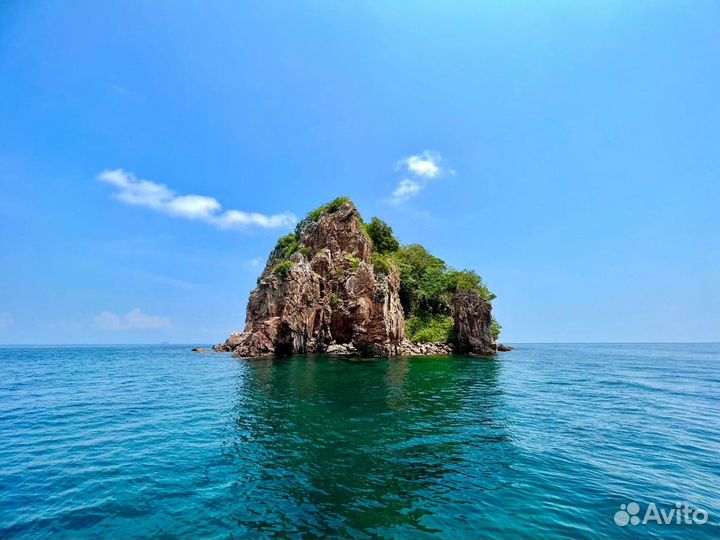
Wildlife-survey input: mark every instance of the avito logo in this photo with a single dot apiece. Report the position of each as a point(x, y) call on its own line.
point(681, 514)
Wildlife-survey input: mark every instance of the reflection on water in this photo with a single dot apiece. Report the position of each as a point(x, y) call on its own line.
point(349, 446)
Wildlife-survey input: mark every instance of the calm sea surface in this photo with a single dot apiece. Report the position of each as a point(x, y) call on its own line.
point(544, 442)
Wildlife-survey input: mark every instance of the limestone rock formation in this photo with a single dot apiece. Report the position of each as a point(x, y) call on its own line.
point(326, 294)
point(320, 292)
point(473, 324)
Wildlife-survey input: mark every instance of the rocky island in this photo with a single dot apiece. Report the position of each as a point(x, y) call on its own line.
point(339, 285)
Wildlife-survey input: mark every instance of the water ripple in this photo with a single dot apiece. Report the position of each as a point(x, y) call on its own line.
point(546, 442)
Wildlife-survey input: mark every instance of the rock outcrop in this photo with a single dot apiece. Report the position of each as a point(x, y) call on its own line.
point(473, 324)
point(319, 292)
point(408, 348)
point(327, 294)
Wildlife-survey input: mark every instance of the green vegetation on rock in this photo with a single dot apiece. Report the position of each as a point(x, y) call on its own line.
point(282, 268)
point(353, 260)
point(287, 245)
point(429, 328)
point(382, 237)
point(428, 284)
point(290, 243)
point(315, 215)
point(382, 264)
point(495, 329)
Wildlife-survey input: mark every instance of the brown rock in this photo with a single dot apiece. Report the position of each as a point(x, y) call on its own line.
point(328, 299)
point(330, 293)
point(337, 349)
point(473, 320)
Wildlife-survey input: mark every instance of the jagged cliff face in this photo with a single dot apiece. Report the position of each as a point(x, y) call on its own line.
point(328, 298)
point(329, 295)
point(473, 324)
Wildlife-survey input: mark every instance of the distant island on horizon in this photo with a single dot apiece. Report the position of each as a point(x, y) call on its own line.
point(340, 285)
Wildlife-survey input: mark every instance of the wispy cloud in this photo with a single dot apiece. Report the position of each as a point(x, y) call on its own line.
point(161, 198)
point(134, 320)
point(406, 189)
point(5, 319)
point(427, 165)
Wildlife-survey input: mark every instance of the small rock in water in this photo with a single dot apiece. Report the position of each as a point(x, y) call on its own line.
point(199, 349)
point(339, 349)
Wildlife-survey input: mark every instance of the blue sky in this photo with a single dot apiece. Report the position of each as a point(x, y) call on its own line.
point(575, 146)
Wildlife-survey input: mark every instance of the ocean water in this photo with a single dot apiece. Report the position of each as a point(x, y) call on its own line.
point(544, 442)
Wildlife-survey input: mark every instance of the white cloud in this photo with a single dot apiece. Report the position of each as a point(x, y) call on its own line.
point(159, 197)
point(406, 189)
point(134, 320)
point(423, 165)
point(255, 263)
point(236, 218)
point(5, 319)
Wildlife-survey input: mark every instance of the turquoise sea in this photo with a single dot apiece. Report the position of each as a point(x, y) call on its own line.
point(544, 442)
